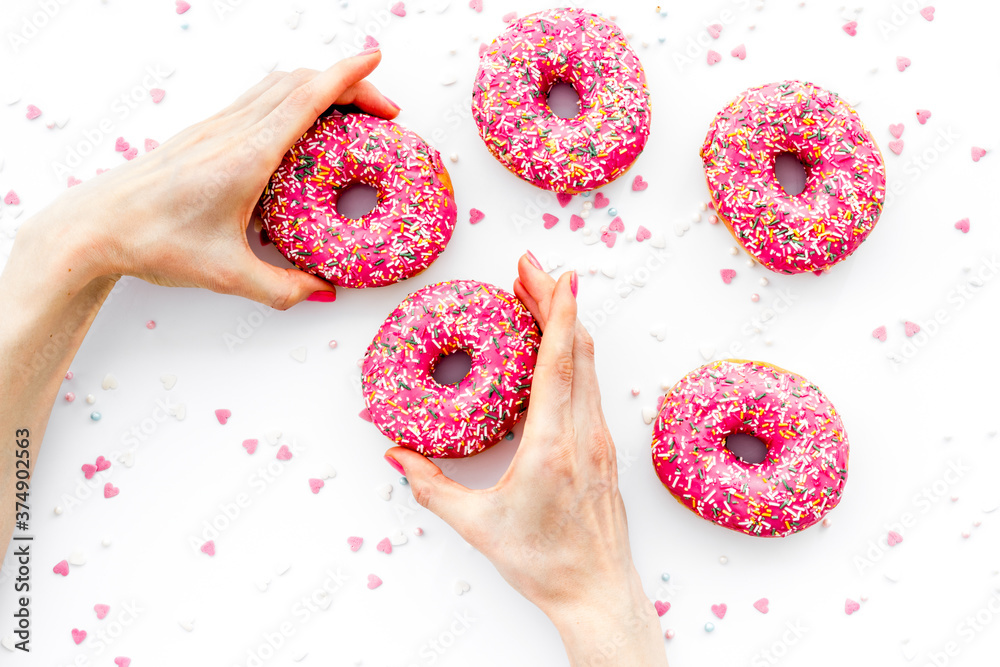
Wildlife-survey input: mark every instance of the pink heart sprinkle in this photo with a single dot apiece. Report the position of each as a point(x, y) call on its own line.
point(364, 414)
point(110, 490)
point(727, 275)
point(719, 610)
point(851, 606)
point(661, 607)
point(642, 234)
point(896, 146)
point(88, 470)
point(638, 185)
point(385, 546)
point(62, 567)
point(208, 548)
point(963, 225)
point(250, 445)
point(123, 662)
point(761, 605)
point(316, 484)
point(911, 329)
point(880, 333)
point(355, 543)
point(896, 130)
point(713, 57)
point(851, 28)
point(894, 538)
point(102, 464)
point(223, 416)
point(476, 4)
point(33, 112)
point(508, 17)
point(284, 453)
point(977, 153)
point(475, 215)
point(121, 145)
point(600, 201)
point(399, 9)
point(617, 225)
point(549, 220)
point(575, 222)
point(902, 62)
point(79, 636)
point(609, 238)
point(182, 6)
point(714, 30)
point(483, 48)
point(101, 171)
point(564, 198)
point(373, 582)
point(101, 610)
point(157, 94)
point(151, 144)
point(131, 153)
point(739, 52)
point(370, 43)
point(12, 199)
point(928, 12)
point(73, 180)
point(923, 115)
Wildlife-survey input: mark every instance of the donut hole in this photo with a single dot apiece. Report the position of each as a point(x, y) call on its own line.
point(790, 173)
point(357, 200)
point(451, 368)
point(563, 100)
point(746, 448)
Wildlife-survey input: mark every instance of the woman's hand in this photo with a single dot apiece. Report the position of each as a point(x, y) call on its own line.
point(554, 525)
point(178, 215)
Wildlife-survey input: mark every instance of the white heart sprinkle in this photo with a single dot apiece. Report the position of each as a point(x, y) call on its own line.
point(448, 79)
point(299, 354)
point(637, 281)
point(609, 270)
point(659, 332)
point(328, 37)
point(168, 381)
point(658, 241)
point(179, 411)
point(299, 656)
point(187, 624)
point(127, 458)
point(106, 542)
point(77, 558)
point(384, 492)
point(327, 471)
point(109, 382)
point(8, 642)
point(282, 567)
point(706, 352)
point(268, 66)
point(272, 437)
point(648, 414)
point(398, 539)
point(13, 96)
point(461, 587)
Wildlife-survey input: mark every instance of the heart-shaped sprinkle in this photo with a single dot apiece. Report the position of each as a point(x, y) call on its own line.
point(385, 546)
point(461, 587)
point(73, 180)
point(370, 43)
point(223, 416)
point(902, 62)
point(714, 30)
point(564, 198)
point(110, 490)
point(963, 225)
point(157, 94)
point(894, 538)
point(250, 445)
point(508, 17)
point(373, 581)
point(11, 199)
point(208, 548)
point(88, 470)
point(661, 607)
point(617, 225)
point(355, 543)
point(62, 567)
point(284, 454)
point(923, 115)
point(600, 201)
point(977, 153)
point(399, 9)
point(638, 185)
point(851, 606)
point(121, 145)
point(102, 464)
point(609, 238)
point(151, 144)
point(880, 333)
point(896, 130)
point(123, 662)
point(896, 146)
point(713, 57)
point(549, 221)
point(316, 484)
point(727, 275)
point(398, 538)
point(575, 222)
point(719, 610)
point(761, 605)
point(79, 636)
point(384, 491)
point(101, 610)
point(364, 414)
point(911, 328)
point(476, 5)
point(928, 12)
point(851, 28)
point(642, 234)
point(33, 112)
point(131, 153)
point(475, 215)
point(182, 6)
point(739, 52)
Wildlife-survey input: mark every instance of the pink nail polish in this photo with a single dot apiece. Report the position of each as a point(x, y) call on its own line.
point(573, 284)
point(395, 464)
point(369, 51)
point(392, 103)
point(534, 260)
point(322, 297)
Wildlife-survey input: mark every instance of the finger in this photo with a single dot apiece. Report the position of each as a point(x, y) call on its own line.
point(586, 392)
point(252, 94)
point(434, 490)
point(538, 284)
point(367, 97)
point(269, 100)
point(529, 302)
point(279, 288)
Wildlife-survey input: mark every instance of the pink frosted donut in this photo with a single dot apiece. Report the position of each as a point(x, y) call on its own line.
point(411, 408)
point(409, 227)
point(845, 176)
point(804, 473)
point(510, 100)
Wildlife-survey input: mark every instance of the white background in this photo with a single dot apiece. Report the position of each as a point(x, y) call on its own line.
point(908, 419)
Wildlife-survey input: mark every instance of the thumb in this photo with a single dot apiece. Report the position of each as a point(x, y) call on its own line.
point(433, 489)
point(281, 288)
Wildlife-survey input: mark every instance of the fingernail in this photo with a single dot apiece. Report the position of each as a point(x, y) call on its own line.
point(395, 464)
point(322, 296)
point(572, 284)
point(369, 51)
point(534, 260)
point(392, 103)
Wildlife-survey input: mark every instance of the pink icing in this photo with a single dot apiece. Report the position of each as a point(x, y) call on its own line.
point(804, 473)
point(414, 410)
point(509, 100)
point(845, 182)
point(410, 226)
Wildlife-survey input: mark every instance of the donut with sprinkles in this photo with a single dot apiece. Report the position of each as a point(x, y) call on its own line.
point(411, 408)
point(845, 176)
point(409, 227)
point(510, 100)
point(801, 478)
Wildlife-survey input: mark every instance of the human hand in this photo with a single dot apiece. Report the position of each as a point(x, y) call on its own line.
point(554, 525)
point(182, 210)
